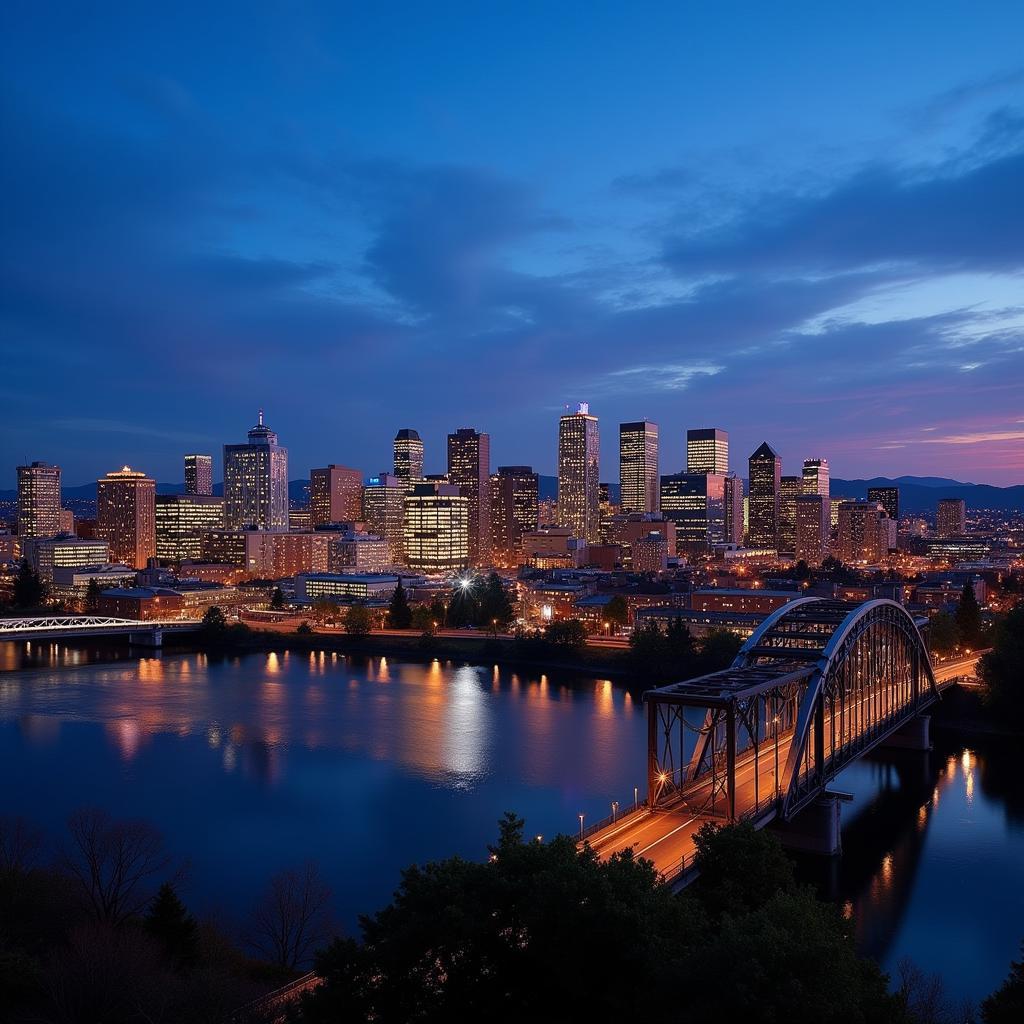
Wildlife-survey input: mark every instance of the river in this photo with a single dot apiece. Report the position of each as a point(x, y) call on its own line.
point(254, 763)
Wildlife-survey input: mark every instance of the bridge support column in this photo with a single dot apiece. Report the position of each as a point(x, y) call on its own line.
point(147, 638)
point(915, 735)
point(815, 829)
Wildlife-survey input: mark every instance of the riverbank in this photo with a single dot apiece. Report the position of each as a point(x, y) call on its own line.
point(962, 711)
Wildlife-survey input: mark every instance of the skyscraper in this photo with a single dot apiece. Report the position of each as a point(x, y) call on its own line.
point(126, 516)
point(408, 449)
point(38, 500)
point(812, 528)
point(734, 509)
point(790, 488)
point(436, 528)
point(181, 521)
point(695, 502)
point(638, 466)
point(815, 477)
point(578, 474)
point(514, 494)
point(335, 495)
point(469, 469)
point(384, 511)
point(764, 484)
point(888, 498)
point(863, 534)
point(951, 517)
point(256, 481)
point(199, 474)
point(707, 451)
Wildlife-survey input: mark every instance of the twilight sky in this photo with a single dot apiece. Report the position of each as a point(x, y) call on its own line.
point(800, 222)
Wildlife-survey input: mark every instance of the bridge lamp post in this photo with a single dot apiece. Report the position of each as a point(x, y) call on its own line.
point(615, 808)
point(636, 797)
point(581, 828)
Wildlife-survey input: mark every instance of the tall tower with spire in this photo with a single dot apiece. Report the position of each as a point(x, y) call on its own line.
point(256, 481)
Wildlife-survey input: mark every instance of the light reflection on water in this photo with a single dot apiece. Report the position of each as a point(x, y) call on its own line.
point(250, 764)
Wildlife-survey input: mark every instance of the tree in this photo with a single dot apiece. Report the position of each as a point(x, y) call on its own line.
point(214, 623)
point(114, 862)
point(304, 629)
point(293, 918)
point(173, 927)
point(92, 596)
point(399, 612)
point(277, 599)
point(358, 621)
point(438, 611)
point(495, 610)
point(943, 634)
point(422, 619)
point(324, 610)
point(968, 617)
point(464, 606)
point(1006, 1004)
point(29, 589)
point(1002, 669)
point(568, 633)
point(617, 611)
point(718, 650)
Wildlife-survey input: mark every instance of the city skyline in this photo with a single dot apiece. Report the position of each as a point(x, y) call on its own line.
point(813, 222)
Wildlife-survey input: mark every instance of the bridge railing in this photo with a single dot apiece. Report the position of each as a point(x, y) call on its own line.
point(611, 819)
point(681, 867)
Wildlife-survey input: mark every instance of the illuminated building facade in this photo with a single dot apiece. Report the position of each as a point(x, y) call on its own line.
point(790, 488)
point(864, 532)
point(359, 587)
point(199, 474)
point(734, 527)
point(126, 516)
point(888, 498)
point(359, 552)
point(268, 554)
point(816, 477)
point(514, 511)
point(181, 521)
point(638, 466)
point(38, 500)
point(764, 478)
point(384, 511)
point(812, 528)
point(49, 554)
point(695, 503)
point(335, 495)
point(436, 528)
point(951, 517)
point(579, 453)
point(707, 451)
point(256, 481)
point(408, 456)
point(469, 469)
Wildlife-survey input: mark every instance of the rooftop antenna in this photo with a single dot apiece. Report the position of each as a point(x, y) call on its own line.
point(261, 417)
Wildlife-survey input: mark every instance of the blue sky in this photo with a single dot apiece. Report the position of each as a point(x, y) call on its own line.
point(800, 222)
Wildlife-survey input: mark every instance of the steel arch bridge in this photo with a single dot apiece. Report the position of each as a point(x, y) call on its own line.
point(817, 684)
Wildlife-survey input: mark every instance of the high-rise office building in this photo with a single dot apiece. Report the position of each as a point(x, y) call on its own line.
point(408, 449)
point(514, 503)
point(695, 503)
point(384, 511)
point(436, 528)
point(864, 533)
point(181, 521)
point(335, 495)
point(638, 466)
point(734, 528)
point(763, 486)
point(707, 451)
point(469, 469)
point(888, 498)
point(816, 478)
point(812, 528)
point(951, 517)
point(256, 481)
point(38, 500)
point(579, 454)
point(126, 516)
point(199, 474)
point(790, 488)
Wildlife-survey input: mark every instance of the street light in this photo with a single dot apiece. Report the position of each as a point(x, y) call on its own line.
point(636, 797)
point(615, 808)
point(581, 828)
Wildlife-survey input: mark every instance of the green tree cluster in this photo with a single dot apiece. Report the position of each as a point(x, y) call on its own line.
point(1002, 668)
point(29, 590)
point(399, 612)
point(666, 655)
point(484, 603)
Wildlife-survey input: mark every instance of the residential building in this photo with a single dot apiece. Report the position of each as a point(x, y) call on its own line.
point(578, 474)
point(335, 495)
point(764, 483)
point(38, 500)
point(199, 474)
point(951, 517)
point(469, 469)
point(126, 516)
point(707, 451)
point(638, 466)
point(256, 481)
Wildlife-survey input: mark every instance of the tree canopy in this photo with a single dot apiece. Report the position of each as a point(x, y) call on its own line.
point(1002, 669)
point(399, 612)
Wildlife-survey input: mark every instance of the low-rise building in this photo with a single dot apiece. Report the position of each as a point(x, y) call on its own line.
point(309, 587)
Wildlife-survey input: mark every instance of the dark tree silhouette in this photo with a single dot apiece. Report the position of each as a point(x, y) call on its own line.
point(399, 612)
point(29, 589)
point(277, 599)
point(1006, 1004)
point(968, 617)
point(293, 917)
point(173, 927)
point(358, 621)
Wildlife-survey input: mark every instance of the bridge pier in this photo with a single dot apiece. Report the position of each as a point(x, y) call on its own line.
point(915, 735)
point(153, 638)
point(815, 829)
